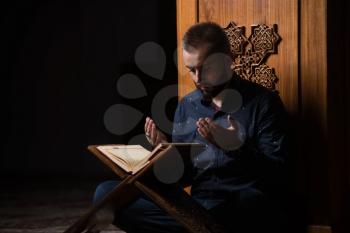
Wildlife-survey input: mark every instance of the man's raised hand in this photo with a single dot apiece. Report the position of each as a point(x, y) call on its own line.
point(153, 135)
point(225, 138)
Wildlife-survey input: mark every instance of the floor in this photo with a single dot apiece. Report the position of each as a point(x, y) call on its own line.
point(44, 205)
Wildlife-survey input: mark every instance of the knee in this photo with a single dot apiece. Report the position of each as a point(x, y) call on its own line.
point(103, 189)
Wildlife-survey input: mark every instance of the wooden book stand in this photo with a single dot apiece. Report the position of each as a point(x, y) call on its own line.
point(170, 197)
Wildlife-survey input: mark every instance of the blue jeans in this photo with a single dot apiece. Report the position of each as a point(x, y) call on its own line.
point(245, 212)
point(142, 216)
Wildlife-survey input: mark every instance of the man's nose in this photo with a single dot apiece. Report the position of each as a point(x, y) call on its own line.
point(198, 76)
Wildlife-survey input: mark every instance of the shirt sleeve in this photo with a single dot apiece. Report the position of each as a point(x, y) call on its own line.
point(271, 130)
point(272, 142)
point(270, 150)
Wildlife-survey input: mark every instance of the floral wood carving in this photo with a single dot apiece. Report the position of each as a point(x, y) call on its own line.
point(250, 55)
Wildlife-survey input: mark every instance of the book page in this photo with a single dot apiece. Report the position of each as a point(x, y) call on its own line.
point(133, 158)
point(130, 155)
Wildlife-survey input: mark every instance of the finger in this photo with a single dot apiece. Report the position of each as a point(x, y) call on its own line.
point(146, 124)
point(149, 127)
point(201, 120)
point(202, 123)
point(208, 120)
point(201, 132)
point(207, 126)
point(199, 124)
point(153, 132)
point(150, 137)
point(204, 131)
point(149, 124)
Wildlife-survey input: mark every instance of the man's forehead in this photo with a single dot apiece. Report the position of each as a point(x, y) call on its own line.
point(199, 57)
point(194, 56)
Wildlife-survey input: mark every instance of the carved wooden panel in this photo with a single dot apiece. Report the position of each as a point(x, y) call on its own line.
point(249, 55)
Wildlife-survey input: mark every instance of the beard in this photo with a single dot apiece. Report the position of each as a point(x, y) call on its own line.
point(210, 92)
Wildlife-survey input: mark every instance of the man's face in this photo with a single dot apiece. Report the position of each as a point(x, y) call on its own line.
point(209, 73)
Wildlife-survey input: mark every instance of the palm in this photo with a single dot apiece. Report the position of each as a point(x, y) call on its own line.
point(153, 135)
point(225, 138)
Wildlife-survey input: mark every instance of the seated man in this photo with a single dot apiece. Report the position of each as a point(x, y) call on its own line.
point(239, 177)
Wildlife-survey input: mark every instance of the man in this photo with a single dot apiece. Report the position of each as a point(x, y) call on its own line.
point(239, 177)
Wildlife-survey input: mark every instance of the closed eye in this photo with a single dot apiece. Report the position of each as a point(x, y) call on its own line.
point(191, 70)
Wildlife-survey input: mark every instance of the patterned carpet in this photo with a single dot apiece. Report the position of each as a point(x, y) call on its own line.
point(44, 206)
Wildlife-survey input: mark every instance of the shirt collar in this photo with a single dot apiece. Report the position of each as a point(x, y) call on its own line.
point(233, 84)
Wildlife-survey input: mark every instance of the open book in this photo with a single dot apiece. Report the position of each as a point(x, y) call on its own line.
point(132, 158)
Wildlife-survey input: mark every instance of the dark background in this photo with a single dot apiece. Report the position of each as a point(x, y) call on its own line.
point(61, 60)
point(60, 63)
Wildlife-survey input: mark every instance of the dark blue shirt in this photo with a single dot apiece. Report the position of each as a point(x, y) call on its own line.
point(257, 163)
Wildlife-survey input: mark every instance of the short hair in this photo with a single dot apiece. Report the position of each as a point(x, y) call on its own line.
point(208, 34)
